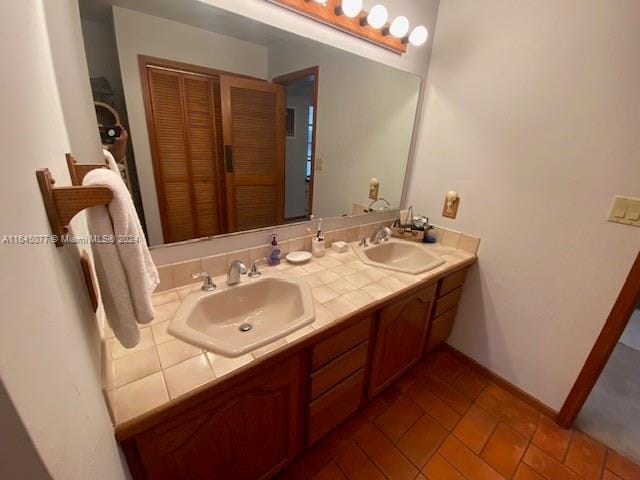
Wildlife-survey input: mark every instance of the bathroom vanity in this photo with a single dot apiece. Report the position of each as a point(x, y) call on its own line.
point(244, 137)
point(256, 419)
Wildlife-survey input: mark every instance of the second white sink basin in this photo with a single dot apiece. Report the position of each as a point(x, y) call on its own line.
point(400, 256)
point(235, 320)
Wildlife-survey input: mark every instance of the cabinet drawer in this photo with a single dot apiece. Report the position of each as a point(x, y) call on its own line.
point(447, 302)
point(452, 282)
point(334, 346)
point(328, 410)
point(441, 329)
point(340, 368)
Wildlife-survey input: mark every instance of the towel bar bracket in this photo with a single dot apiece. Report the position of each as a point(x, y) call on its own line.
point(64, 203)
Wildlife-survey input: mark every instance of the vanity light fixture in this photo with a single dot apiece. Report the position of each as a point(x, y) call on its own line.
point(349, 8)
point(350, 17)
point(377, 17)
point(418, 36)
point(398, 28)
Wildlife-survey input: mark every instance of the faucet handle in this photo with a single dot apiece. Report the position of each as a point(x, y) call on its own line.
point(255, 272)
point(207, 284)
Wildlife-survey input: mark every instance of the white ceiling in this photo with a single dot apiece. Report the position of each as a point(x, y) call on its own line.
point(194, 13)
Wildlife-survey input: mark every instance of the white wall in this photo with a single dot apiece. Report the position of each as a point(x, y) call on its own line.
point(49, 340)
point(141, 34)
point(532, 116)
point(102, 56)
point(366, 113)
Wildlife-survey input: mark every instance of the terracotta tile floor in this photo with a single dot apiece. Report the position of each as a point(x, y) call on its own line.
point(443, 421)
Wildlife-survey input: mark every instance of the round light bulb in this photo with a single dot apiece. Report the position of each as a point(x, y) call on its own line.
point(378, 16)
point(399, 27)
point(419, 36)
point(351, 8)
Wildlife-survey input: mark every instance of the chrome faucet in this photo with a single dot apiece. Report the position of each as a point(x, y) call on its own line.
point(381, 234)
point(236, 268)
point(207, 285)
point(255, 271)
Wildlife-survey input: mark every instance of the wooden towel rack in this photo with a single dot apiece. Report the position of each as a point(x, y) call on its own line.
point(64, 203)
point(79, 170)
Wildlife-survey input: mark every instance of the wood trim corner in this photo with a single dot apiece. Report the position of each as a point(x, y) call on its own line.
point(603, 348)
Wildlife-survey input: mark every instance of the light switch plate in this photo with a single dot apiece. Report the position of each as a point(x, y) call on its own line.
point(625, 210)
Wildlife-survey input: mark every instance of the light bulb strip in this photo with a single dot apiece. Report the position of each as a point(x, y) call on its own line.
point(331, 14)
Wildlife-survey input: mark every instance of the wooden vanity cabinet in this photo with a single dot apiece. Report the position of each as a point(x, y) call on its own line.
point(258, 424)
point(251, 431)
point(336, 383)
point(445, 308)
point(400, 336)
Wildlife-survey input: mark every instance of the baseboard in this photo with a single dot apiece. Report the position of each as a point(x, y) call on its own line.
point(501, 382)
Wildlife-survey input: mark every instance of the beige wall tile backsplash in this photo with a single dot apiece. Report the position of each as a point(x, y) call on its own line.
point(179, 274)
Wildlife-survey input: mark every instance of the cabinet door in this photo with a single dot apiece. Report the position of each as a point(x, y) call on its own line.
point(248, 432)
point(402, 328)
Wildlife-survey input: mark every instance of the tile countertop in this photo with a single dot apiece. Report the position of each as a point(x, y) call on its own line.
point(161, 368)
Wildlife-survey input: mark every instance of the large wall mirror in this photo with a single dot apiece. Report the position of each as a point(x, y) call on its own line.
point(229, 124)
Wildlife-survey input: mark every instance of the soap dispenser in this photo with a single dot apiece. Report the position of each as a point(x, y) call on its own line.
point(273, 258)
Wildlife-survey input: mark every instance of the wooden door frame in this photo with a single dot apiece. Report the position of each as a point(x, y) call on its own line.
point(296, 77)
point(603, 348)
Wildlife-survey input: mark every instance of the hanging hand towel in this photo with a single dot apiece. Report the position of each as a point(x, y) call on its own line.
point(111, 162)
point(126, 272)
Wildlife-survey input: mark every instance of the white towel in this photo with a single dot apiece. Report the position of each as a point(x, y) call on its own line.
point(126, 273)
point(111, 162)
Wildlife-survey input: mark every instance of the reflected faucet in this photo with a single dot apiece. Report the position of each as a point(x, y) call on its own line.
point(382, 234)
point(236, 268)
point(381, 199)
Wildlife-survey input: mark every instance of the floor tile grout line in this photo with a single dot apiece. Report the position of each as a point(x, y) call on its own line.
point(604, 465)
point(422, 414)
point(529, 443)
point(375, 464)
point(369, 458)
point(395, 443)
point(435, 451)
point(572, 470)
point(332, 460)
point(493, 431)
point(462, 474)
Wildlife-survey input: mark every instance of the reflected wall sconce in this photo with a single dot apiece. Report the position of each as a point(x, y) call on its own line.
point(349, 16)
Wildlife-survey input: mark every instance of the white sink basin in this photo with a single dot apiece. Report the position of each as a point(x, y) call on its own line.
point(400, 256)
point(235, 320)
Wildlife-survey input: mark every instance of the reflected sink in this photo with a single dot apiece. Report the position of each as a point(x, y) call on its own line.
point(400, 256)
point(235, 320)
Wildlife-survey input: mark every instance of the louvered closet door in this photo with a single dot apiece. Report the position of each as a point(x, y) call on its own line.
point(185, 154)
point(253, 131)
